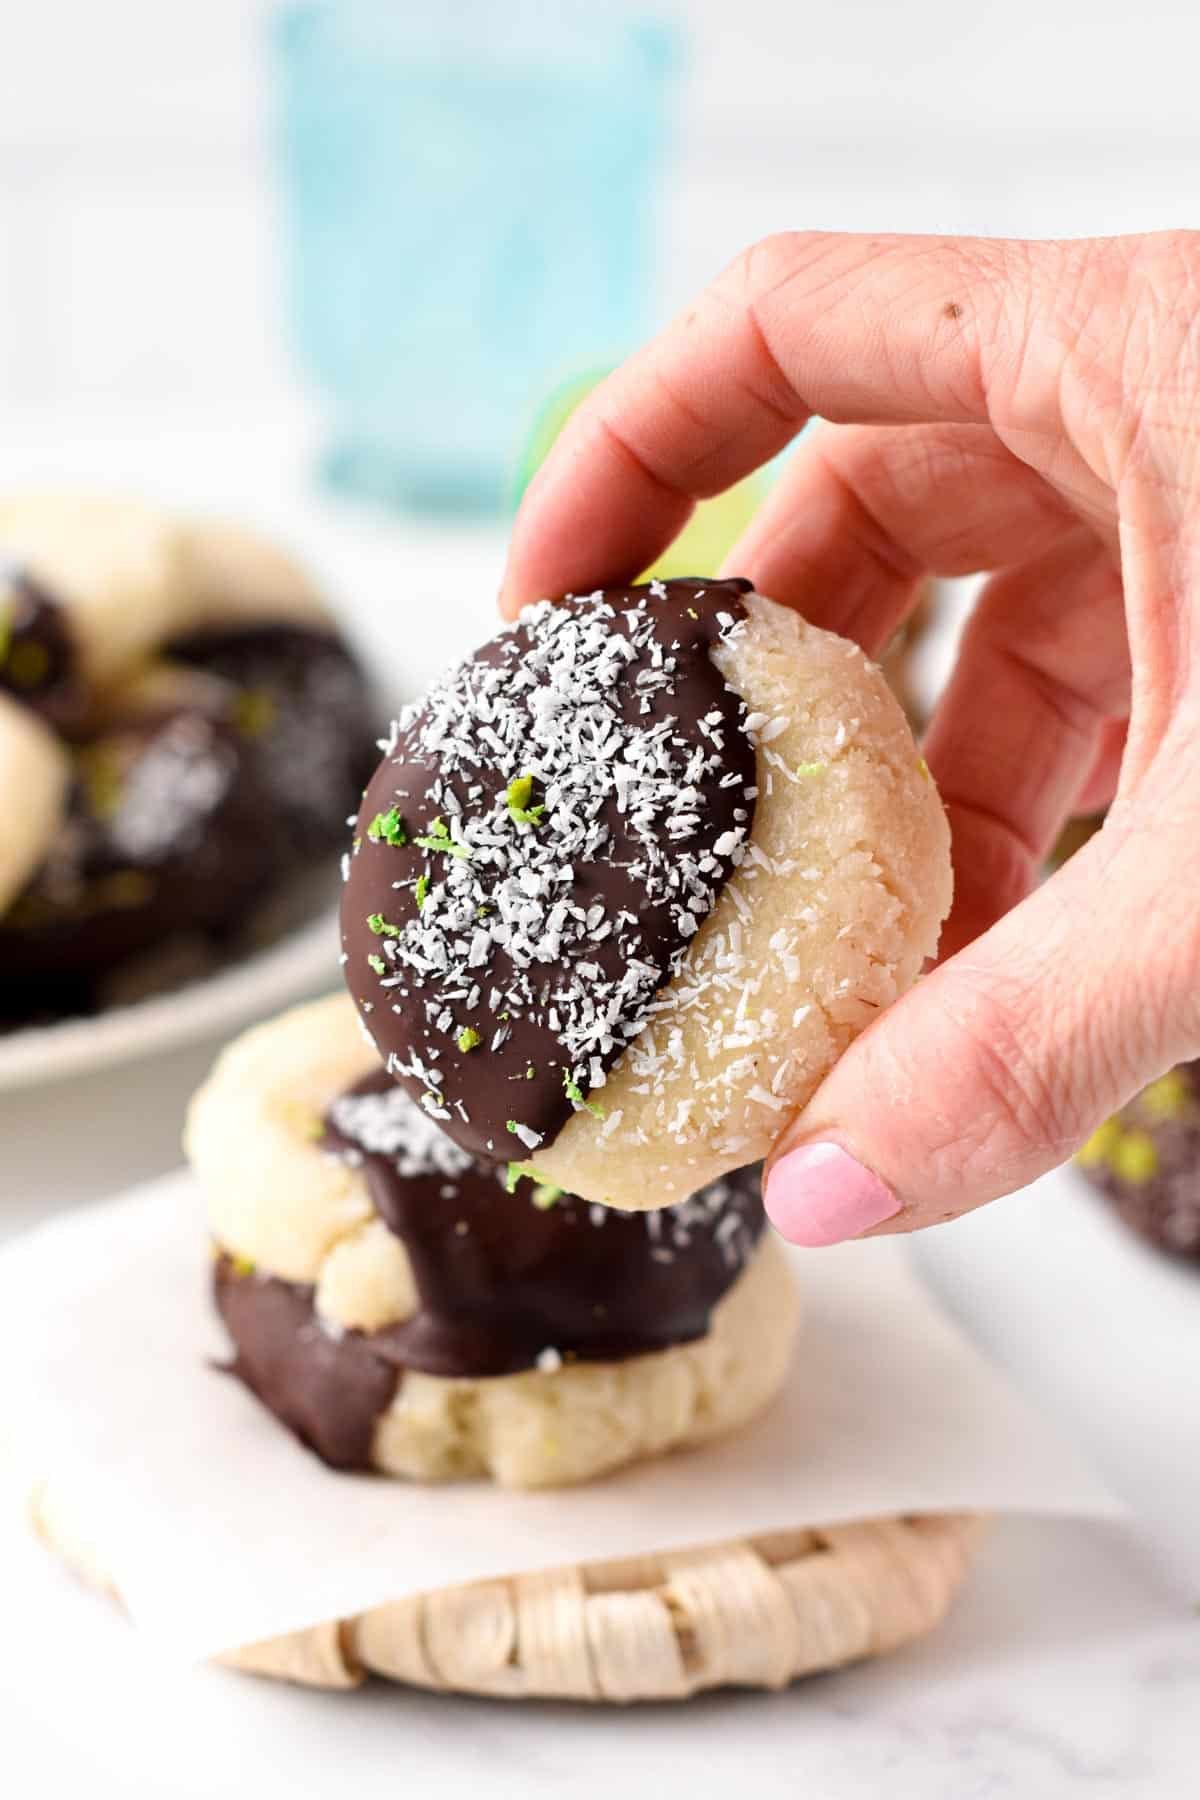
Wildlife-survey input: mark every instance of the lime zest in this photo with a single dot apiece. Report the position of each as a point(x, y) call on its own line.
point(577, 1097)
point(388, 828)
point(439, 841)
point(253, 711)
point(1135, 1158)
point(517, 796)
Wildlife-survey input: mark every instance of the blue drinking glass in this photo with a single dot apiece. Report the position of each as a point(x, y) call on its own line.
point(469, 201)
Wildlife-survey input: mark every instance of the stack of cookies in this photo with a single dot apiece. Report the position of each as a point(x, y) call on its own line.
point(622, 888)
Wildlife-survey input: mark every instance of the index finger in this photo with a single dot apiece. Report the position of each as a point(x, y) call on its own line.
point(886, 330)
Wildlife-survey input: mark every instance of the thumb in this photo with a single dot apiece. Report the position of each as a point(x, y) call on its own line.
point(996, 1066)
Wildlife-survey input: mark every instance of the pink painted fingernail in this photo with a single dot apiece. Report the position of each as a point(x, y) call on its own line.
point(818, 1194)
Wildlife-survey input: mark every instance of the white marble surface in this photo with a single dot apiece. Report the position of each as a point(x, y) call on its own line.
point(1067, 1670)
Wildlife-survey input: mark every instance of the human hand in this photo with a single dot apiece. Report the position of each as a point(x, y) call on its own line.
point(1027, 408)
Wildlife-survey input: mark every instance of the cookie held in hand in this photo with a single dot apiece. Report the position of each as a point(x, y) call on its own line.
point(629, 880)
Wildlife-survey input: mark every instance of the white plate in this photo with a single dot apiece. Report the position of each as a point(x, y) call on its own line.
point(1102, 1329)
point(302, 962)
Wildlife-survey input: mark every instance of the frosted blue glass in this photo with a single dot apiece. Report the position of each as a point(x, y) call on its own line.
point(469, 200)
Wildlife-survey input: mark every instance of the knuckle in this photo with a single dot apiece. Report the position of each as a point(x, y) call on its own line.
point(1159, 357)
point(796, 266)
point(1169, 263)
point(1023, 1101)
point(779, 257)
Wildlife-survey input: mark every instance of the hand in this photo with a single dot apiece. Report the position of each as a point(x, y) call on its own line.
point(1027, 408)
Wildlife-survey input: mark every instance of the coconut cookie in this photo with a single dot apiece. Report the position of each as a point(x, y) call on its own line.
point(182, 736)
point(116, 578)
point(628, 881)
point(1146, 1159)
point(399, 1306)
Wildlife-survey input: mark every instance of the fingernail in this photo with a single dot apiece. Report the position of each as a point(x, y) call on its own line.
point(818, 1194)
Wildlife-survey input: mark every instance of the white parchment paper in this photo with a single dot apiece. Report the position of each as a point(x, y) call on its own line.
point(218, 1529)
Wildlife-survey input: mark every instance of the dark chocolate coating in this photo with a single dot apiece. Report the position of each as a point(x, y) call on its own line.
point(329, 1390)
point(500, 1278)
point(163, 836)
point(316, 745)
point(1146, 1160)
point(500, 1281)
point(493, 1034)
point(38, 664)
point(182, 821)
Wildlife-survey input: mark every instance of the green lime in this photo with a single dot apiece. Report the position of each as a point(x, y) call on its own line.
point(713, 528)
point(552, 415)
point(711, 532)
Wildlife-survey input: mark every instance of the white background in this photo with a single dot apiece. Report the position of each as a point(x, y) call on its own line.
point(139, 277)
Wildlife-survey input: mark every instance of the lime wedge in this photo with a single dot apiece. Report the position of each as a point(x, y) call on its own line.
point(709, 534)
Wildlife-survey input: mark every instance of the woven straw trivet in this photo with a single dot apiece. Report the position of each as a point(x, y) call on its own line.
point(756, 1612)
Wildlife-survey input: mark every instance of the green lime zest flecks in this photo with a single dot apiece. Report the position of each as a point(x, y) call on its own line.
point(388, 828)
point(438, 840)
point(517, 797)
point(1167, 1098)
point(422, 891)
point(243, 1266)
point(379, 925)
point(813, 768)
point(254, 711)
point(28, 664)
point(125, 889)
point(100, 774)
point(577, 1097)
point(468, 1038)
point(377, 963)
point(1135, 1158)
point(1097, 1152)
point(518, 1171)
point(1129, 1154)
point(545, 1195)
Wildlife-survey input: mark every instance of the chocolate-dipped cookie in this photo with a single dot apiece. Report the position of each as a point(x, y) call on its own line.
point(630, 878)
point(1146, 1159)
point(399, 1305)
point(182, 736)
